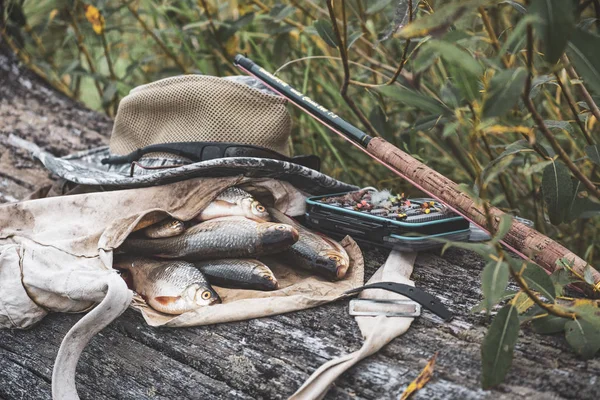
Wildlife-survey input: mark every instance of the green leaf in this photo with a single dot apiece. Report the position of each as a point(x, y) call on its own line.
point(583, 53)
point(517, 6)
point(325, 31)
point(503, 228)
point(462, 68)
point(354, 37)
point(493, 282)
point(583, 337)
point(504, 92)
point(520, 146)
point(539, 280)
point(581, 206)
point(556, 26)
point(280, 11)
point(440, 20)
point(558, 189)
point(561, 125)
point(549, 324)
point(411, 98)
point(377, 6)
point(498, 346)
point(561, 278)
point(455, 55)
point(518, 37)
point(588, 275)
point(593, 153)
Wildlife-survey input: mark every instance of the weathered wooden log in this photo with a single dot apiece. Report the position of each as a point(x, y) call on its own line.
point(267, 358)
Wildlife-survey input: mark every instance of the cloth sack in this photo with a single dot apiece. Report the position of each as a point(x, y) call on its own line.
point(52, 250)
point(56, 255)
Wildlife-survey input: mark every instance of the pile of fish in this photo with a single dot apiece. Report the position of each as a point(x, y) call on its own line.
point(172, 264)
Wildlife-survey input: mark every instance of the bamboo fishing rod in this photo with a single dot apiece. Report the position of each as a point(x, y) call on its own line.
point(523, 240)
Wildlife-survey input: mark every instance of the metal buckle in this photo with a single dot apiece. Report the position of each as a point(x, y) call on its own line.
point(389, 308)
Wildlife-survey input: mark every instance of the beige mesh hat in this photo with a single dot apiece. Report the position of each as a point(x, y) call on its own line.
point(199, 108)
point(195, 125)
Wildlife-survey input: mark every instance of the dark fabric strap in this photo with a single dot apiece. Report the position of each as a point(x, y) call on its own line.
point(203, 151)
point(425, 299)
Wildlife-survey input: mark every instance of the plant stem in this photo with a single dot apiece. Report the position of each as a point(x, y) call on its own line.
point(88, 57)
point(573, 108)
point(156, 39)
point(550, 308)
point(582, 89)
point(544, 129)
point(344, 55)
point(492, 35)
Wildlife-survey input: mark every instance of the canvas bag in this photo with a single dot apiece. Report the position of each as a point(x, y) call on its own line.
point(56, 255)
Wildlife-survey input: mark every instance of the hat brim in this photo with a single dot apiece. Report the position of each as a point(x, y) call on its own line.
point(85, 168)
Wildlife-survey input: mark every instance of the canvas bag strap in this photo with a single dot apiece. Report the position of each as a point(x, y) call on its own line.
point(376, 330)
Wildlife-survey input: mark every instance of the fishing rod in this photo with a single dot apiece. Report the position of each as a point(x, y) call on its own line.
point(520, 238)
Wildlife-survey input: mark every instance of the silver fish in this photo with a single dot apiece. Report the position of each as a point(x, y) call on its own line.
point(235, 202)
point(242, 273)
point(232, 237)
point(168, 228)
point(172, 287)
point(314, 252)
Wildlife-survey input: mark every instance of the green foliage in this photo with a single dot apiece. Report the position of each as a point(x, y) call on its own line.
point(537, 279)
point(325, 30)
point(498, 346)
point(504, 92)
point(493, 282)
point(557, 187)
point(583, 52)
point(583, 337)
point(556, 23)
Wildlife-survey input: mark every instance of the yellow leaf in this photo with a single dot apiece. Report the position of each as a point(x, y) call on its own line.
point(95, 18)
point(522, 302)
point(508, 129)
point(232, 46)
point(421, 380)
point(53, 14)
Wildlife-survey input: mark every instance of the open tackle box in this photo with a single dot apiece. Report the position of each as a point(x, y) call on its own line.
point(393, 222)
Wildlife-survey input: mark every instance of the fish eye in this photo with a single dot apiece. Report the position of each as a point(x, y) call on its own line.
point(334, 258)
point(280, 227)
point(206, 295)
point(260, 208)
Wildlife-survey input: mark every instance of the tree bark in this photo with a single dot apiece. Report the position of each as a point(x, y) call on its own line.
point(267, 358)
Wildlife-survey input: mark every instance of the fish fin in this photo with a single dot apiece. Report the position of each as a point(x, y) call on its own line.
point(166, 300)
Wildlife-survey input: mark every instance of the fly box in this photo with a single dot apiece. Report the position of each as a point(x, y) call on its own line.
point(378, 218)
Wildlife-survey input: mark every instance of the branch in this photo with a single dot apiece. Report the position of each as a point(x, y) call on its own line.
point(157, 39)
point(550, 308)
point(542, 126)
point(83, 49)
point(344, 55)
point(573, 108)
point(582, 89)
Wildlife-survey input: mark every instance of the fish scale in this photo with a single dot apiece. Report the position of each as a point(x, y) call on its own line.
point(173, 287)
point(314, 252)
point(218, 238)
point(239, 273)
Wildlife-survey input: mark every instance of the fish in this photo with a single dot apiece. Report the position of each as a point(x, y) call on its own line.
point(239, 273)
point(314, 252)
point(235, 202)
point(230, 237)
point(171, 287)
point(170, 227)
